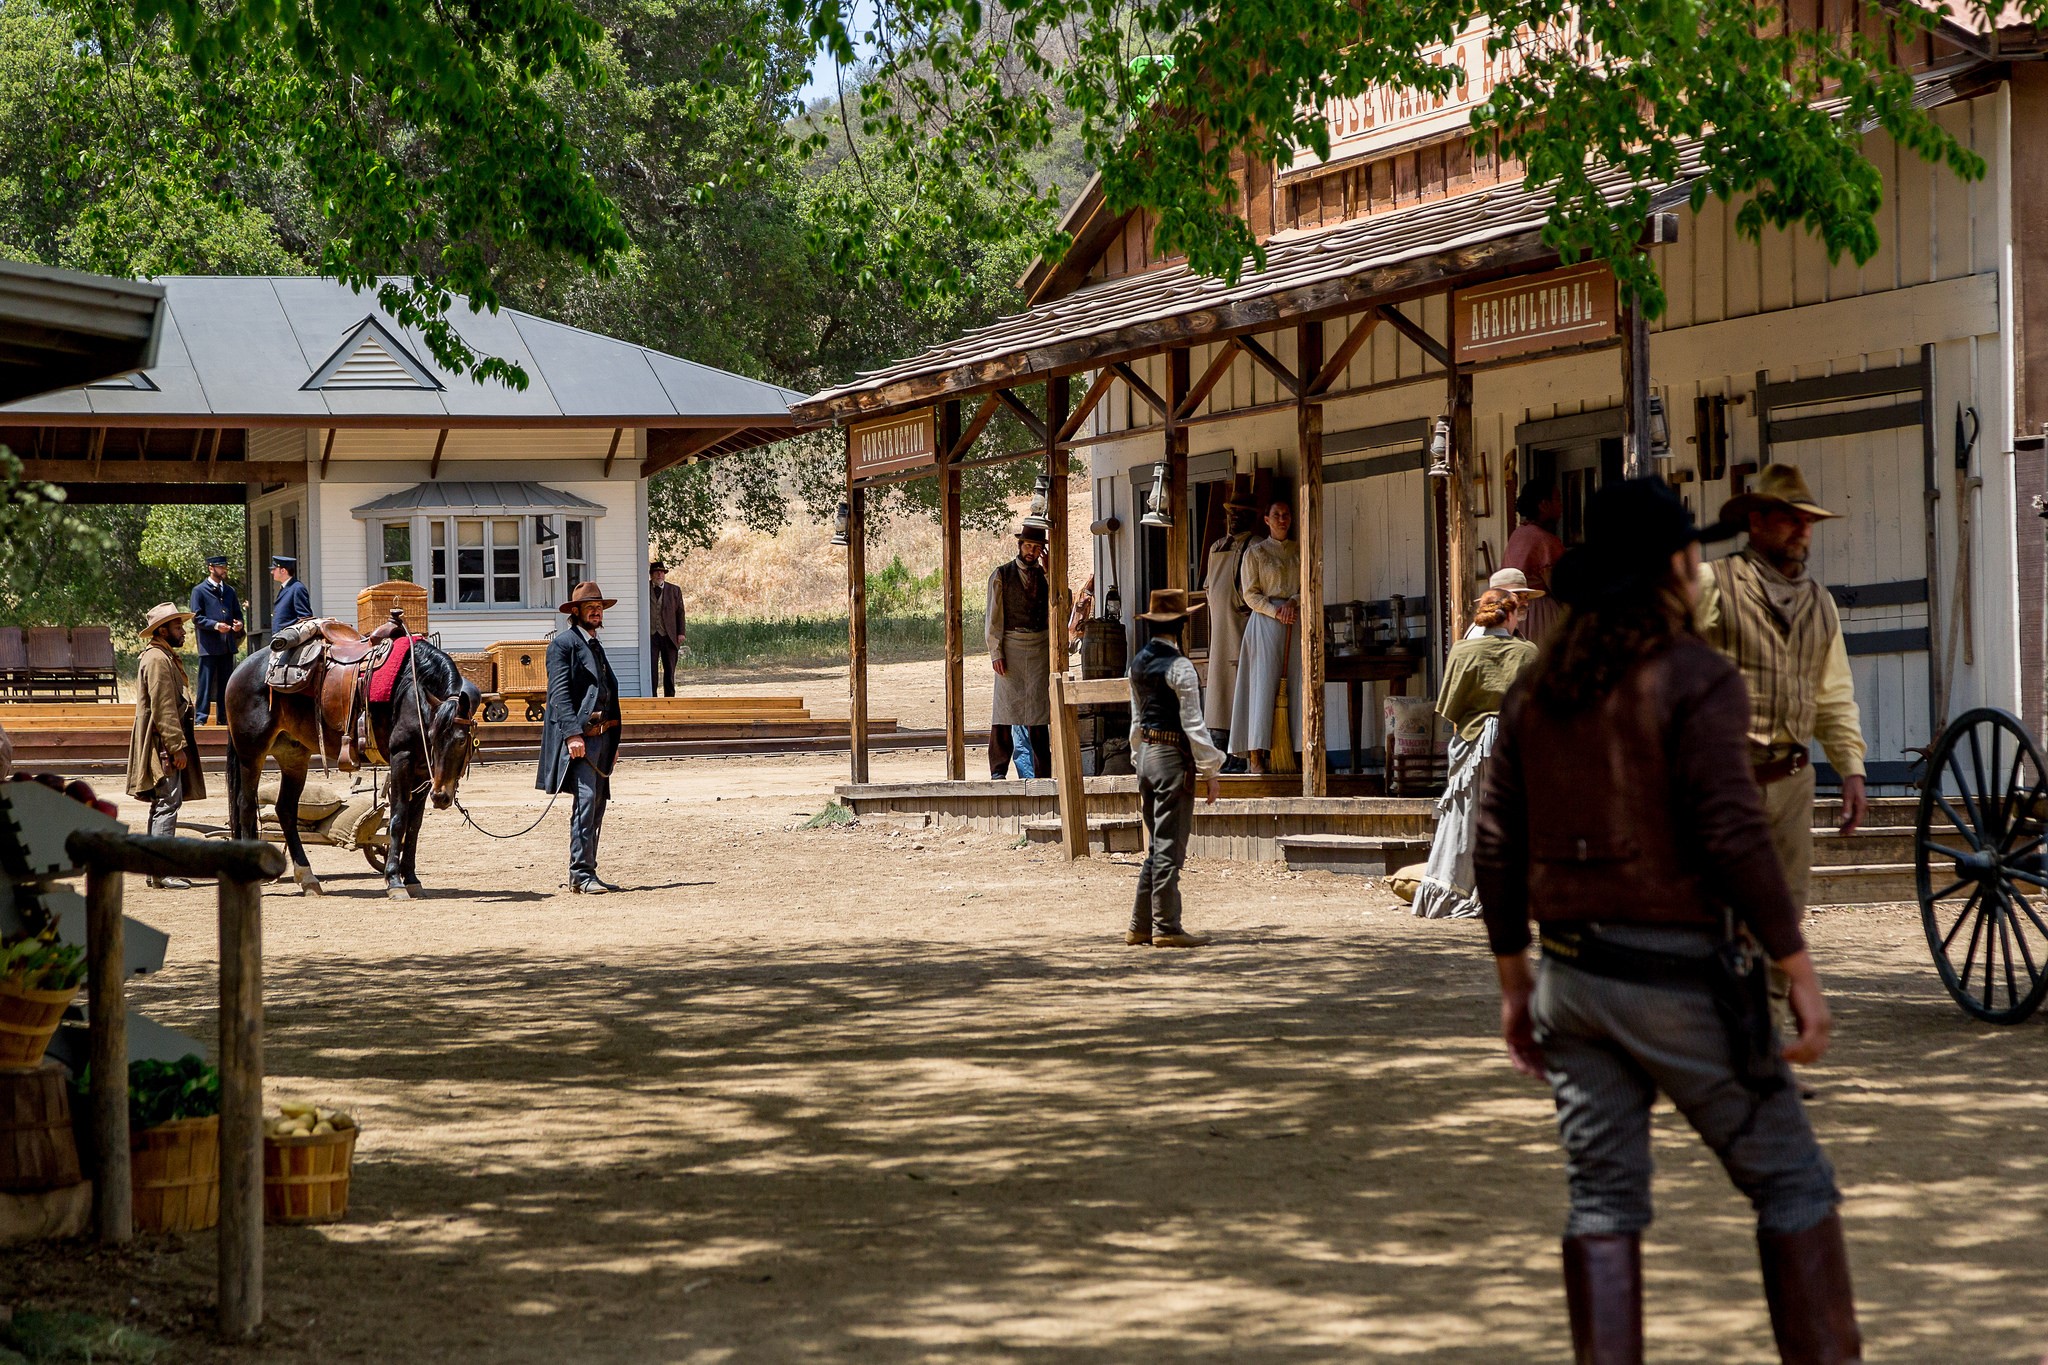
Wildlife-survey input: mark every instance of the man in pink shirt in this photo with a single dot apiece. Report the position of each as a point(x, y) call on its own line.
point(1534, 548)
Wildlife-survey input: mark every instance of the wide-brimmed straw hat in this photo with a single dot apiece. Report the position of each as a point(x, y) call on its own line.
point(1779, 485)
point(587, 592)
point(1516, 582)
point(161, 615)
point(1171, 605)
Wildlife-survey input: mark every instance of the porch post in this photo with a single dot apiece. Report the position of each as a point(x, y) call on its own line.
point(1635, 392)
point(1458, 507)
point(956, 644)
point(857, 619)
point(1308, 424)
point(1176, 472)
point(1057, 403)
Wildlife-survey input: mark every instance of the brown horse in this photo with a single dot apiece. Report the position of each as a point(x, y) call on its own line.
point(425, 732)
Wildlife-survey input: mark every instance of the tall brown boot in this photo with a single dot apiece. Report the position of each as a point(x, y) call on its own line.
point(1603, 1287)
point(1806, 1280)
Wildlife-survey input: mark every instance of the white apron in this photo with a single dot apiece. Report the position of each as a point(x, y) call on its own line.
point(1023, 692)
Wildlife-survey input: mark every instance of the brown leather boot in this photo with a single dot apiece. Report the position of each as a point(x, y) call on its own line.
point(1603, 1288)
point(1806, 1280)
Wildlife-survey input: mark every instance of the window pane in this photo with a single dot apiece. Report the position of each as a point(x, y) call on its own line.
point(572, 535)
point(469, 533)
point(398, 551)
point(437, 533)
point(505, 590)
point(505, 532)
point(504, 560)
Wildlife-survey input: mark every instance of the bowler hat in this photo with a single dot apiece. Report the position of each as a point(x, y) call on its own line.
point(1029, 532)
point(1171, 605)
point(1778, 485)
point(587, 592)
point(161, 615)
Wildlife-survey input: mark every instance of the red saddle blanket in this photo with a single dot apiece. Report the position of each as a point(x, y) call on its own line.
point(385, 676)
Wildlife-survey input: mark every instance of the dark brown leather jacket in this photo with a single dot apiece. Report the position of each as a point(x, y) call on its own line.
point(1639, 810)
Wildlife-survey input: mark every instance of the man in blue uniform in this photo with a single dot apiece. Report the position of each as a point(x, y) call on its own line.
point(579, 739)
point(294, 603)
point(217, 621)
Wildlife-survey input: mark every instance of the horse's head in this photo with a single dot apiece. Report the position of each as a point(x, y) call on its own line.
point(451, 739)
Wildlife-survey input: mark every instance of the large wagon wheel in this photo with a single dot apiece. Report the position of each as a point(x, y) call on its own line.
point(1980, 866)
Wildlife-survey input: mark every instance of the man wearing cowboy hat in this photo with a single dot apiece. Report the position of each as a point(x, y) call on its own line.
point(1227, 610)
point(665, 604)
point(163, 756)
point(1515, 584)
point(217, 621)
point(1172, 751)
point(579, 739)
point(1780, 627)
point(1020, 652)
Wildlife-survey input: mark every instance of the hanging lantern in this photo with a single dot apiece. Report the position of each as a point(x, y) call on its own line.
point(1660, 429)
point(1041, 499)
point(1440, 448)
point(1157, 513)
point(841, 520)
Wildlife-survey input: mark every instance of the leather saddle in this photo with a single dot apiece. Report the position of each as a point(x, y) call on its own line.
point(341, 687)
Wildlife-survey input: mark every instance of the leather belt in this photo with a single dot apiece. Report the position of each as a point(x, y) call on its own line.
point(1778, 769)
point(1173, 737)
point(1590, 953)
point(599, 727)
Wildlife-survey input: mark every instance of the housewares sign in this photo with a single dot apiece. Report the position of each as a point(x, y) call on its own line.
point(1568, 307)
point(893, 444)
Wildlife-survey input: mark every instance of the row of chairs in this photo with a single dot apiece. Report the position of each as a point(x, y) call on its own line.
point(51, 661)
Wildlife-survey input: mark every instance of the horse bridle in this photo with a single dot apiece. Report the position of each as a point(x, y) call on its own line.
point(426, 731)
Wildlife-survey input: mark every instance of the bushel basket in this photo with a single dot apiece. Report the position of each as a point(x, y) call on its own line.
point(28, 1020)
point(175, 1171)
point(305, 1179)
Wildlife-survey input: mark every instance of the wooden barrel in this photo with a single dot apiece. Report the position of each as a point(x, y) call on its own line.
point(305, 1179)
point(28, 1020)
point(1104, 650)
point(176, 1175)
point(37, 1149)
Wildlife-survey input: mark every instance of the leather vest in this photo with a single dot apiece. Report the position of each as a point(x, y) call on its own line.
point(1025, 603)
point(1158, 704)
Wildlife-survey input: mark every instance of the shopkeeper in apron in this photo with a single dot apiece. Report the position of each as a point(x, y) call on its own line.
point(1020, 652)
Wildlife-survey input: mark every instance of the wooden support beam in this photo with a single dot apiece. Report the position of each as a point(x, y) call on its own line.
point(1226, 356)
point(1057, 550)
point(667, 447)
point(1458, 505)
point(1177, 385)
point(1022, 412)
point(1411, 329)
point(441, 444)
point(165, 471)
point(327, 451)
point(967, 437)
point(1071, 788)
point(99, 447)
point(113, 1195)
point(857, 620)
point(198, 437)
point(241, 1108)
point(610, 454)
point(1340, 360)
point(1635, 392)
point(213, 449)
point(1315, 749)
point(1271, 363)
point(1144, 390)
point(956, 631)
point(1104, 378)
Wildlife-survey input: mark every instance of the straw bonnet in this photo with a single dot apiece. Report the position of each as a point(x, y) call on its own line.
point(1171, 605)
point(586, 592)
point(161, 615)
point(1779, 485)
point(1514, 581)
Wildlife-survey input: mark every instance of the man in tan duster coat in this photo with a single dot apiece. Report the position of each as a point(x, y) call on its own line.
point(163, 757)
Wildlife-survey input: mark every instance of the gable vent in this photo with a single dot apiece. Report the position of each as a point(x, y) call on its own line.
point(136, 380)
point(371, 358)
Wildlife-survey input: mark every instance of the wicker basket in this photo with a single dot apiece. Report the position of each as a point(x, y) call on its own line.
point(305, 1179)
point(176, 1175)
point(374, 604)
point(480, 669)
point(522, 666)
point(28, 1020)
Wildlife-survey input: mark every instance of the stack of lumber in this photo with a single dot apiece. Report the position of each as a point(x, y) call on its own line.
point(92, 738)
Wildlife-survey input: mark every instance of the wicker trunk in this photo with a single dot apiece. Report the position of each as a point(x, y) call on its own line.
point(374, 604)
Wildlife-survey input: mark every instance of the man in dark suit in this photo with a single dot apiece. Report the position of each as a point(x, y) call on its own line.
point(217, 621)
point(579, 740)
point(665, 600)
point(293, 603)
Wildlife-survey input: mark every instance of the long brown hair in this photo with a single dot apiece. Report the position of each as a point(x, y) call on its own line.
point(1493, 607)
point(1613, 622)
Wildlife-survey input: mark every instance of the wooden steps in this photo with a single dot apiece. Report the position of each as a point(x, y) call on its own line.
point(1358, 855)
point(1106, 833)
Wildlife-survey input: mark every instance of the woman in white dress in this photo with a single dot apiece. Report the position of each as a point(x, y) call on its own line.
point(1269, 579)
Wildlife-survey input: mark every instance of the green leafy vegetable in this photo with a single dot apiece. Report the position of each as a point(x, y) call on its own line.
point(159, 1092)
point(41, 964)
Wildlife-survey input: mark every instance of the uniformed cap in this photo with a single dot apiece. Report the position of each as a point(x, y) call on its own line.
point(216, 561)
point(285, 562)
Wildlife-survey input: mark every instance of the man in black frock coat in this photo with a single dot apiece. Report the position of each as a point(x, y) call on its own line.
point(579, 740)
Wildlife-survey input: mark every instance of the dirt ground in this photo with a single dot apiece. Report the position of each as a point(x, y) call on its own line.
point(913, 693)
point(861, 1094)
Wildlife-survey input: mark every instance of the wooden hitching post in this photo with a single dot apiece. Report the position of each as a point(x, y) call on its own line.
point(1177, 383)
point(241, 1108)
point(1308, 416)
point(1458, 506)
point(956, 641)
point(1057, 550)
point(857, 626)
point(105, 952)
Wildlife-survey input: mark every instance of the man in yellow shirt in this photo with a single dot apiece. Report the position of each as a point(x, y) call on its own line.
point(1780, 627)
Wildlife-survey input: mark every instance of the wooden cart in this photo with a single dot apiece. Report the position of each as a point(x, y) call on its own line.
point(521, 667)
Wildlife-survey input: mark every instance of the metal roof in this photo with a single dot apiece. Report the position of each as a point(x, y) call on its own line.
point(1309, 273)
point(61, 327)
point(518, 498)
point(241, 351)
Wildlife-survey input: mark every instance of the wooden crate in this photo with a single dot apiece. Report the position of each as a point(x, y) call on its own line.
point(305, 1179)
point(175, 1171)
point(374, 604)
point(522, 666)
point(480, 669)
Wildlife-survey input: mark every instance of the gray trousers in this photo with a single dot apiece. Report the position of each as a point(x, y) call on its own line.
point(166, 799)
point(1166, 794)
point(1610, 1046)
point(592, 791)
